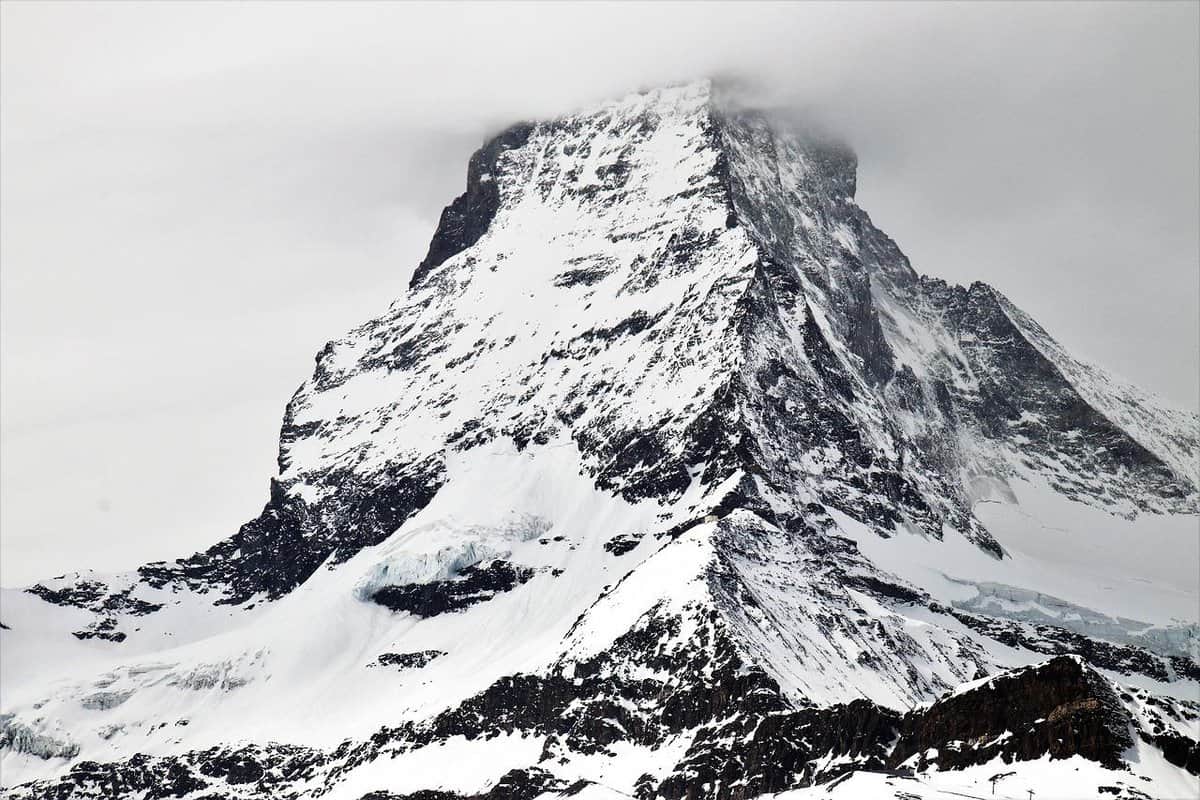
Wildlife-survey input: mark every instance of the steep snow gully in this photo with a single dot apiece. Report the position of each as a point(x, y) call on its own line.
point(668, 478)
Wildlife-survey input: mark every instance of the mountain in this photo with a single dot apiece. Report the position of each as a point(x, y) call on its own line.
point(669, 477)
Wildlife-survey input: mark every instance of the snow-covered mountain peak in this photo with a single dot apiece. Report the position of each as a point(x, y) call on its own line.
point(668, 474)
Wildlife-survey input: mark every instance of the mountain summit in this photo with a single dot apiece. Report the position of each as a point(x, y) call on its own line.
point(669, 477)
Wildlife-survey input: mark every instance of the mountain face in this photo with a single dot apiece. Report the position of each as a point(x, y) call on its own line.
point(668, 478)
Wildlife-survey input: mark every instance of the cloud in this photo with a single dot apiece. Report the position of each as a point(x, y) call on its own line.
point(196, 196)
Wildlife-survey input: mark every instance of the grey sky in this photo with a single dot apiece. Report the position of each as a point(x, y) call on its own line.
point(195, 197)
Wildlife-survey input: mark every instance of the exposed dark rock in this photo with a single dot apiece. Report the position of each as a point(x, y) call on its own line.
point(885, 588)
point(517, 784)
point(581, 277)
point(621, 544)
point(474, 584)
point(277, 551)
point(1060, 708)
point(1178, 750)
point(97, 597)
point(635, 323)
point(414, 660)
point(762, 753)
point(465, 220)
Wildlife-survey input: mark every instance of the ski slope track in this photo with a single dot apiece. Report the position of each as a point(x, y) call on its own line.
point(668, 477)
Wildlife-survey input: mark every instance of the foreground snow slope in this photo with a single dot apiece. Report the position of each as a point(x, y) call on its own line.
point(668, 477)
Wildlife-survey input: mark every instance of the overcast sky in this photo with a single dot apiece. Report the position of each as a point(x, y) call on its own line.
point(194, 198)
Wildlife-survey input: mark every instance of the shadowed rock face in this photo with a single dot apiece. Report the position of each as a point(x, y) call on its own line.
point(281, 548)
point(407, 660)
point(685, 297)
point(1060, 708)
point(468, 217)
point(472, 585)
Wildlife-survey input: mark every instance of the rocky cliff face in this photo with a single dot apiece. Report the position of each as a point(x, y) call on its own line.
point(669, 477)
